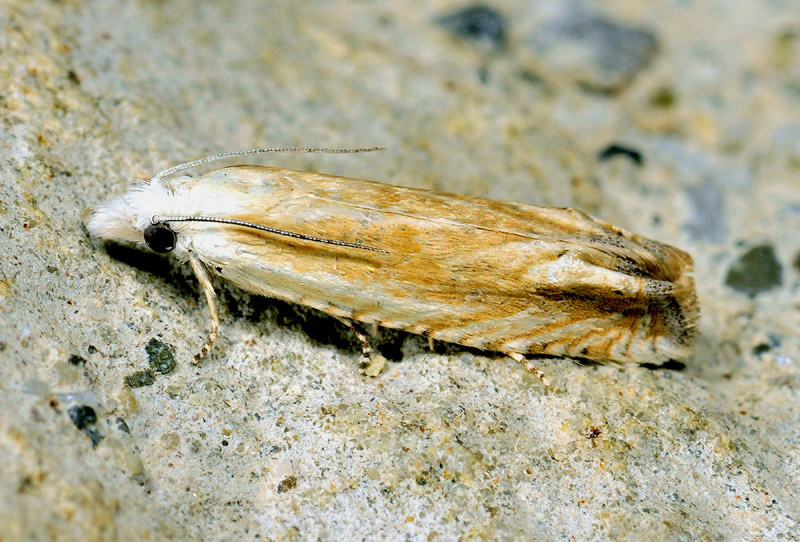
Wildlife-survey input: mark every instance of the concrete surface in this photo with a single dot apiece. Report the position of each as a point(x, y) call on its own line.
point(276, 436)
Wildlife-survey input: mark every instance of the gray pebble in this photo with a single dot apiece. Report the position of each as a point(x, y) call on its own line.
point(596, 52)
point(756, 271)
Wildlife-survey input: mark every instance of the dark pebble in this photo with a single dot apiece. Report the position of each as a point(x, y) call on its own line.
point(797, 262)
point(75, 359)
point(82, 416)
point(478, 23)
point(160, 356)
point(72, 75)
point(600, 54)
point(94, 436)
point(773, 341)
point(286, 484)
point(616, 149)
point(122, 425)
point(761, 349)
point(756, 271)
point(140, 379)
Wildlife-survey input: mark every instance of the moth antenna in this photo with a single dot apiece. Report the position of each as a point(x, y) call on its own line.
point(215, 157)
point(259, 227)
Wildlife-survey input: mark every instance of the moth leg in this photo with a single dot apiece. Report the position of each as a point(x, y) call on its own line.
point(205, 283)
point(372, 363)
point(519, 358)
point(430, 344)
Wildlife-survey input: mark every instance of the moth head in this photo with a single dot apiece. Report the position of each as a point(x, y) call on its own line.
point(129, 218)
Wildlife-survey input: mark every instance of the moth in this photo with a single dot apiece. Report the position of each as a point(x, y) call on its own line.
point(498, 276)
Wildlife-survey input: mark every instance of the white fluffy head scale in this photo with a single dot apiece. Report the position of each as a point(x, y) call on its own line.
point(124, 218)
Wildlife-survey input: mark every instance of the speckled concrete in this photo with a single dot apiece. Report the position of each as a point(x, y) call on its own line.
point(277, 436)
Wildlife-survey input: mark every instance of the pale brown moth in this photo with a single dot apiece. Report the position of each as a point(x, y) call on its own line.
point(498, 276)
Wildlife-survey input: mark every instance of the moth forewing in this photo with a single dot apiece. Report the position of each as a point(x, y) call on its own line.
point(498, 276)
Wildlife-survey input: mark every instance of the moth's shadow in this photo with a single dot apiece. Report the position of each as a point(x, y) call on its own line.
point(323, 329)
point(671, 365)
point(328, 330)
point(177, 277)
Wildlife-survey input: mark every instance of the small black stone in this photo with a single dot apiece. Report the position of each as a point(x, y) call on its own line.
point(82, 416)
point(75, 359)
point(94, 436)
point(760, 349)
point(756, 271)
point(73, 76)
point(140, 379)
point(617, 149)
point(122, 425)
point(773, 341)
point(478, 23)
point(160, 356)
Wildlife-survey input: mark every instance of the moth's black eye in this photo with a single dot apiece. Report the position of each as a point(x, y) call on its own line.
point(160, 237)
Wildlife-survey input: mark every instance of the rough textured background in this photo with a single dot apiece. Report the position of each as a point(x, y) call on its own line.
point(276, 436)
